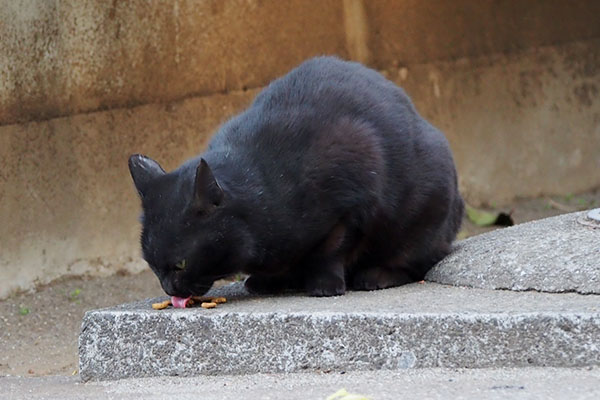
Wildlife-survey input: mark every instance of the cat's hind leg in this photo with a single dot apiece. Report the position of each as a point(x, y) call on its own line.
point(320, 273)
point(378, 277)
point(396, 271)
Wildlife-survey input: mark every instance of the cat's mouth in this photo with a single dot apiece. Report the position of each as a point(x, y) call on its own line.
point(181, 293)
point(180, 302)
point(181, 289)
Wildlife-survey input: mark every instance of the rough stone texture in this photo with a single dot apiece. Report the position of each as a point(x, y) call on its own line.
point(61, 58)
point(415, 326)
point(413, 31)
point(466, 384)
point(558, 254)
point(68, 204)
point(520, 124)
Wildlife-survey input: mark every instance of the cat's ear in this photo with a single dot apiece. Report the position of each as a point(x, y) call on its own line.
point(143, 171)
point(207, 192)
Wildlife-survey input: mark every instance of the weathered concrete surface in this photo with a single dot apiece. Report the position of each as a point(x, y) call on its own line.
point(67, 57)
point(415, 326)
point(61, 58)
point(558, 254)
point(468, 384)
point(412, 31)
point(520, 124)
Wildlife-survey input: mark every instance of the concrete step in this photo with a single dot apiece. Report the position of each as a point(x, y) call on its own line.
point(414, 326)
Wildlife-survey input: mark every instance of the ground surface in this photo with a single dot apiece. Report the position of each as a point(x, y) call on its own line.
point(39, 331)
point(475, 384)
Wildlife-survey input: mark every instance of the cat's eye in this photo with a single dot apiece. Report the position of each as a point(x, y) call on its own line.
point(180, 265)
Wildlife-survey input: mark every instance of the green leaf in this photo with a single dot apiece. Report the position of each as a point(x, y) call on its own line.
point(74, 294)
point(479, 217)
point(23, 310)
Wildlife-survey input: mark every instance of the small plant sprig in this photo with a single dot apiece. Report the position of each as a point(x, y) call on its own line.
point(74, 295)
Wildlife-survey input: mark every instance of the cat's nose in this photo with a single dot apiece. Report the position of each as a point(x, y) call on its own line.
point(172, 288)
point(168, 287)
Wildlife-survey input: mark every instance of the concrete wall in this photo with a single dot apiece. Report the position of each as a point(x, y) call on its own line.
point(514, 84)
point(65, 57)
point(72, 56)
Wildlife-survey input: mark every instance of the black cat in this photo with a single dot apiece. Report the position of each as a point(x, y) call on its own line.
point(329, 181)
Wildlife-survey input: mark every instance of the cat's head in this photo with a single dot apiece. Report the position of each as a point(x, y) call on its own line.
point(190, 236)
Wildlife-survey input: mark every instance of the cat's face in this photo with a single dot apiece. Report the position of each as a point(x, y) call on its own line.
point(188, 237)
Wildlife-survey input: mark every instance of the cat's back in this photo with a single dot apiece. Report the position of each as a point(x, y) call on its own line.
point(295, 109)
point(328, 87)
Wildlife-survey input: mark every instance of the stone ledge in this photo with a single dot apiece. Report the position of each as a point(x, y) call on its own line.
point(558, 254)
point(415, 326)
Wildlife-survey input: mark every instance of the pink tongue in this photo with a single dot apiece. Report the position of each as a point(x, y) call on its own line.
point(180, 302)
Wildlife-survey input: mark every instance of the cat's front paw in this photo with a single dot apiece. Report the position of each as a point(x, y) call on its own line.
point(326, 287)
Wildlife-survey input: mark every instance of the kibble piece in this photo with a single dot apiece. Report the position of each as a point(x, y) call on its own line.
point(206, 302)
point(208, 305)
point(160, 306)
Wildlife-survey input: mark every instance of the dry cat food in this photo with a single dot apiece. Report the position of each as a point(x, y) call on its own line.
point(180, 302)
point(161, 305)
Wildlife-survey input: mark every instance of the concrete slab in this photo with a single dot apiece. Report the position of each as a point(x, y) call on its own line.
point(467, 384)
point(558, 254)
point(415, 326)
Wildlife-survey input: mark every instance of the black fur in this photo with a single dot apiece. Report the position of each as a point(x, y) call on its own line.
point(329, 181)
